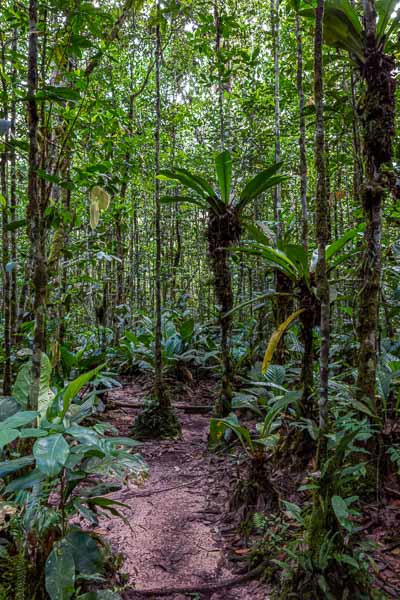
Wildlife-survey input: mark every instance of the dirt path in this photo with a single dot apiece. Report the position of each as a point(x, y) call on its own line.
point(177, 521)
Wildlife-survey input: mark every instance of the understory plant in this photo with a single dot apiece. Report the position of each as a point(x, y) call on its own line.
point(253, 491)
point(48, 479)
point(294, 263)
point(327, 558)
point(185, 347)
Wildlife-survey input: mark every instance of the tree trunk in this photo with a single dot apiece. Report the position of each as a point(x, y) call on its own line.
point(223, 231)
point(302, 137)
point(158, 381)
point(36, 225)
point(7, 377)
point(322, 215)
point(377, 118)
point(277, 192)
point(218, 27)
point(13, 197)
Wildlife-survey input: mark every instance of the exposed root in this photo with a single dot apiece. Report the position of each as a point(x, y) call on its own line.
point(212, 587)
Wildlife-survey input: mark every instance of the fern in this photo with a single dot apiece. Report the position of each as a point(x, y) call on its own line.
point(259, 521)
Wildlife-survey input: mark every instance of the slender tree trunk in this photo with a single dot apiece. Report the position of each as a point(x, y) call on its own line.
point(378, 118)
point(321, 513)
point(158, 382)
point(7, 376)
point(36, 230)
point(283, 284)
point(302, 137)
point(219, 257)
point(218, 28)
point(277, 192)
point(13, 197)
point(322, 225)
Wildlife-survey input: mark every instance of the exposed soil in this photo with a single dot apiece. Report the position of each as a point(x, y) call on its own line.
point(179, 533)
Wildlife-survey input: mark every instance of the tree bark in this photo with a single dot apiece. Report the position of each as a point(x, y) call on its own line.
point(378, 117)
point(218, 25)
point(7, 375)
point(277, 192)
point(158, 381)
point(302, 137)
point(322, 212)
point(36, 226)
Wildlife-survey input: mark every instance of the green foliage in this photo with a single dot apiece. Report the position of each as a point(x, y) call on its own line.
point(265, 436)
point(66, 454)
point(207, 198)
point(24, 380)
point(343, 29)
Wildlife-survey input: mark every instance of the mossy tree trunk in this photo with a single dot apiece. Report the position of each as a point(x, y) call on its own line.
point(302, 136)
point(223, 231)
point(319, 519)
point(308, 318)
point(377, 116)
point(35, 211)
point(5, 237)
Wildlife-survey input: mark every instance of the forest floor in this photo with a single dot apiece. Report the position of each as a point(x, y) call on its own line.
point(180, 533)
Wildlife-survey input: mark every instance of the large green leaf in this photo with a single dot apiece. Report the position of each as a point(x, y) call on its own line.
point(223, 168)
point(274, 258)
point(341, 510)
point(51, 454)
point(260, 232)
point(8, 406)
point(24, 417)
point(7, 436)
point(60, 572)
point(25, 481)
point(200, 181)
point(342, 27)
point(219, 426)
point(24, 380)
point(260, 183)
point(385, 9)
point(298, 256)
point(64, 398)
point(338, 244)
point(189, 180)
point(85, 551)
point(11, 466)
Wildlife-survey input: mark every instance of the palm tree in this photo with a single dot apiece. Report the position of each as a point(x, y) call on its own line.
point(225, 212)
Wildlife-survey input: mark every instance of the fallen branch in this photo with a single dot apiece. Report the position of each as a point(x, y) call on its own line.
point(210, 587)
point(188, 408)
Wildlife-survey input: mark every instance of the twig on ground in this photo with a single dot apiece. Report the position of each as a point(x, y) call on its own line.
point(168, 489)
point(211, 587)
